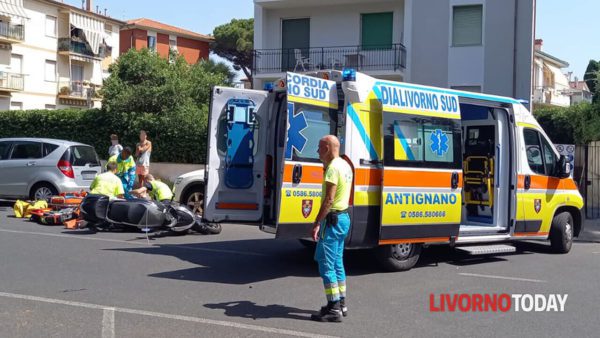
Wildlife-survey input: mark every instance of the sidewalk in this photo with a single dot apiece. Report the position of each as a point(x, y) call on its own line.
point(591, 231)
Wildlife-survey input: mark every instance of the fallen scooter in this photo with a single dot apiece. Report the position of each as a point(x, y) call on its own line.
point(102, 213)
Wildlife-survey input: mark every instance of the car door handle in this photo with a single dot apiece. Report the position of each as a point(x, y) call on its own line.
point(30, 164)
point(454, 180)
point(527, 182)
point(297, 174)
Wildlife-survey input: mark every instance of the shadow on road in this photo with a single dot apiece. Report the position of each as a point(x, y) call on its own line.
point(246, 309)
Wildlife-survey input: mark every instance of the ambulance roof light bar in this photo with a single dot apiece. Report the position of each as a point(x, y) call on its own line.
point(268, 86)
point(349, 74)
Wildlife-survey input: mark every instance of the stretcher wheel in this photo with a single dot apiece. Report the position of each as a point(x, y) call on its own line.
point(399, 257)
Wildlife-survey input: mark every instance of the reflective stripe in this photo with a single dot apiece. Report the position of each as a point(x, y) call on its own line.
point(160, 191)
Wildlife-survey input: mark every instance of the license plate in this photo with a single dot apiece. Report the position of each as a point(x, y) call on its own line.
point(88, 176)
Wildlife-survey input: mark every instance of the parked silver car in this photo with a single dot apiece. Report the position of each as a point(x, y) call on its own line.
point(189, 191)
point(38, 168)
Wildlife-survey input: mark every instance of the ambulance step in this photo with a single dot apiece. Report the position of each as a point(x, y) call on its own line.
point(487, 249)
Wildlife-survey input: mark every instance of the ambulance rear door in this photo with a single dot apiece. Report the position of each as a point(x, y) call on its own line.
point(421, 192)
point(235, 166)
point(312, 108)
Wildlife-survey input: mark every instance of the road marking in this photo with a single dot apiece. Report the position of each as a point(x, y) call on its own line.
point(108, 322)
point(503, 277)
point(246, 253)
point(596, 252)
point(160, 315)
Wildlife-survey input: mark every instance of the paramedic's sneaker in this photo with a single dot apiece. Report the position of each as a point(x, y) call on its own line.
point(343, 307)
point(329, 313)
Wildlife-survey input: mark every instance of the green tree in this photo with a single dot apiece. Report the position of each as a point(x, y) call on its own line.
point(234, 41)
point(591, 75)
point(215, 67)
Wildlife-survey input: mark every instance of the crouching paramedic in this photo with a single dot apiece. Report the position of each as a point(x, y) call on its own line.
point(108, 183)
point(157, 190)
point(331, 227)
point(125, 169)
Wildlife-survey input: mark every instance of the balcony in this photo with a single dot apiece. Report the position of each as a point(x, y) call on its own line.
point(78, 93)
point(11, 82)
point(388, 58)
point(11, 33)
point(69, 46)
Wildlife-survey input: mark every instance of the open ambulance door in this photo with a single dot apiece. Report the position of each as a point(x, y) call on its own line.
point(235, 166)
point(422, 178)
point(311, 113)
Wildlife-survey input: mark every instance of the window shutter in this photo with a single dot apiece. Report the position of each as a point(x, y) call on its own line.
point(467, 25)
point(377, 30)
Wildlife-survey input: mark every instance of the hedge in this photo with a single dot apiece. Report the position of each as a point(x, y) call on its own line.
point(176, 137)
point(578, 124)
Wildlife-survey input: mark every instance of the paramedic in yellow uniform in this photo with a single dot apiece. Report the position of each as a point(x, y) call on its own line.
point(331, 227)
point(157, 190)
point(108, 183)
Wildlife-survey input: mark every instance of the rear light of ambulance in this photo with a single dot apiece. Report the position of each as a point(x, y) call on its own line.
point(66, 168)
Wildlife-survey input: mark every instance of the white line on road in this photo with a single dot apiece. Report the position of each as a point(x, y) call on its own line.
point(503, 277)
point(162, 315)
point(596, 252)
point(248, 253)
point(108, 322)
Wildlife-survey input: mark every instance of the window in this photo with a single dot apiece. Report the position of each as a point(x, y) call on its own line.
point(14, 105)
point(151, 42)
point(4, 148)
point(416, 141)
point(474, 89)
point(50, 106)
point(50, 71)
point(540, 155)
point(48, 148)
point(467, 25)
point(377, 30)
point(82, 155)
point(318, 125)
point(50, 26)
point(173, 42)
point(26, 150)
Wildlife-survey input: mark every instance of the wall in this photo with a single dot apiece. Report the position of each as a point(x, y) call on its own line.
point(132, 38)
point(162, 45)
point(192, 50)
point(429, 47)
point(330, 26)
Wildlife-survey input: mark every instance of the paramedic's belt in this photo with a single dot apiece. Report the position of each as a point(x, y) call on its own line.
point(332, 216)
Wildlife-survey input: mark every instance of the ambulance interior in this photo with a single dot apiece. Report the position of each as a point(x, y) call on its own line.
point(486, 159)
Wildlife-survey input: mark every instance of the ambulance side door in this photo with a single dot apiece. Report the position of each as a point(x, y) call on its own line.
point(422, 178)
point(236, 152)
point(301, 177)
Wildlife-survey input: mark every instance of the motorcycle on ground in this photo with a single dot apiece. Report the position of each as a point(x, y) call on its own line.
point(101, 213)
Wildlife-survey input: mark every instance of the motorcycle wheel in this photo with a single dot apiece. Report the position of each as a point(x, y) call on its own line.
point(208, 228)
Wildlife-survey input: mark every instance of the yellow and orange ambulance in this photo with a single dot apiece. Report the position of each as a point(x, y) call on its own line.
point(431, 165)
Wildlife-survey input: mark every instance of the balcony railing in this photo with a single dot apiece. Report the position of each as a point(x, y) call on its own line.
point(12, 31)
point(363, 58)
point(73, 46)
point(79, 89)
point(11, 81)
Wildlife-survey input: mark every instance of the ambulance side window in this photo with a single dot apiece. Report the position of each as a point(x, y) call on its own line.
point(540, 156)
point(417, 141)
point(318, 124)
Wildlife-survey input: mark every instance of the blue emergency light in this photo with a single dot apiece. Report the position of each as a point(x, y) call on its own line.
point(349, 74)
point(268, 86)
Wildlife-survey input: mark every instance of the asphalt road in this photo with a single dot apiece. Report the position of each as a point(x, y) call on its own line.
point(243, 283)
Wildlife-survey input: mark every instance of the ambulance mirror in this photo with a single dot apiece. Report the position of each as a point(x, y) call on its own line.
point(563, 167)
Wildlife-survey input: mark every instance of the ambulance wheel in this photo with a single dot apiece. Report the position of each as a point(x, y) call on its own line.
point(399, 257)
point(561, 232)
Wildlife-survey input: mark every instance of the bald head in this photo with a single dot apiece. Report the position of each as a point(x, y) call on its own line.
point(329, 148)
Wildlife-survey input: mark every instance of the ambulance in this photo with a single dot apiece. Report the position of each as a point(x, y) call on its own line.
point(431, 165)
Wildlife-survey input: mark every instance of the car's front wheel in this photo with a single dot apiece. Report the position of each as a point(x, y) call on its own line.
point(194, 200)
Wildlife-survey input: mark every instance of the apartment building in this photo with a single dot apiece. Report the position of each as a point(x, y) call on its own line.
point(550, 84)
point(163, 38)
point(478, 45)
point(54, 55)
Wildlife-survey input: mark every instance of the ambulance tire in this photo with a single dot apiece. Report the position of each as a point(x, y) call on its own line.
point(561, 232)
point(398, 257)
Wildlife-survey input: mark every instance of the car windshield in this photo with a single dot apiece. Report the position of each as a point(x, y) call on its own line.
point(82, 155)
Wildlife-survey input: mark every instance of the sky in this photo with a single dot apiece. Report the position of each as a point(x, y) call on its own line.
point(565, 26)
